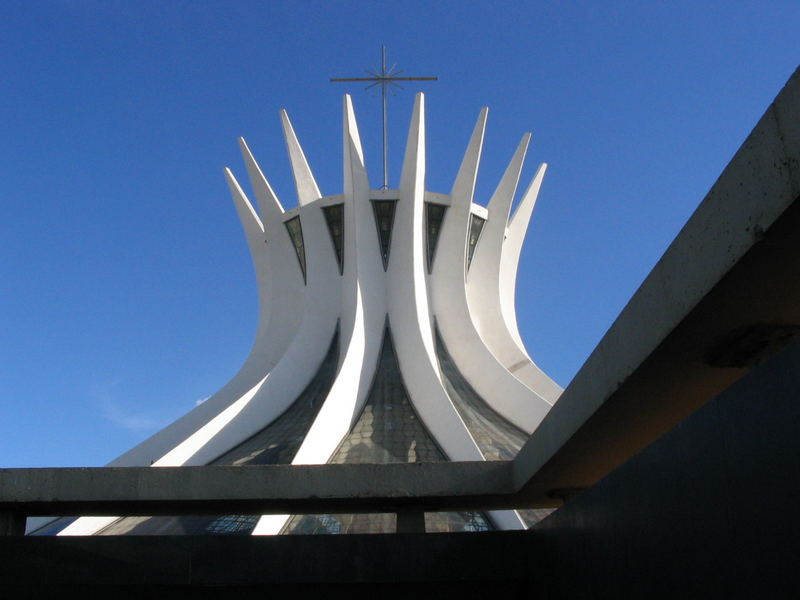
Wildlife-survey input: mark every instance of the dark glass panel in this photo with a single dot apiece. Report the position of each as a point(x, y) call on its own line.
point(384, 219)
point(334, 217)
point(440, 522)
point(276, 444)
point(387, 431)
point(232, 525)
point(279, 441)
point(475, 228)
point(497, 438)
point(341, 523)
point(434, 215)
point(295, 230)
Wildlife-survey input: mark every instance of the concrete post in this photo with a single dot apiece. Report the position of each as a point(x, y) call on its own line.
point(12, 523)
point(410, 520)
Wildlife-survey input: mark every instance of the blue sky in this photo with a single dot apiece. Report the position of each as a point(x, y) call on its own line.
point(126, 289)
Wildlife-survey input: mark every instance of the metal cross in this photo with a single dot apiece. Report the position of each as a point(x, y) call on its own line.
point(385, 78)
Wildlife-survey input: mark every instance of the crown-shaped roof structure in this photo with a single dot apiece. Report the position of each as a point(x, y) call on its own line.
point(387, 332)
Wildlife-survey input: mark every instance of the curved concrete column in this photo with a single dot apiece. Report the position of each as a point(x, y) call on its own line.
point(362, 316)
point(490, 379)
point(286, 284)
point(244, 405)
point(363, 301)
point(276, 318)
point(409, 313)
point(239, 390)
point(509, 263)
point(306, 185)
point(342, 275)
point(294, 370)
point(483, 287)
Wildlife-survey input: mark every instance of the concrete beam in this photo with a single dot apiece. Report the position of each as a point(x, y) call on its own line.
point(725, 296)
point(706, 511)
point(269, 489)
point(451, 565)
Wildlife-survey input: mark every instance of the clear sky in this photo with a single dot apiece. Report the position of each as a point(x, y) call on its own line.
point(126, 288)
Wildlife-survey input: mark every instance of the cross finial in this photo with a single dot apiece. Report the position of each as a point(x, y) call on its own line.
point(385, 78)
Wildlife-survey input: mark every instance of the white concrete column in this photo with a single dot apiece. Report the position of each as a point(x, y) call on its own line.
point(490, 379)
point(409, 312)
point(484, 294)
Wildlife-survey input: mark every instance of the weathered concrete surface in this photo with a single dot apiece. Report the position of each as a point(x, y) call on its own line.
point(11, 523)
point(255, 490)
point(501, 564)
point(728, 285)
point(707, 511)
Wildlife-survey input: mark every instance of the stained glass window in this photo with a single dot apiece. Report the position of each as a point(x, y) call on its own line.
point(475, 228)
point(334, 217)
point(434, 215)
point(384, 219)
point(295, 230)
point(387, 431)
point(497, 438)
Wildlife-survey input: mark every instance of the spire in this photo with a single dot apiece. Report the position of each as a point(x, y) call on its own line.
point(464, 185)
point(518, 223)
point(268, 204)
point(307, 190)
point(413, 174)
point(512, 248)
point(355, 173)
point(253, 229)
point(500, 204)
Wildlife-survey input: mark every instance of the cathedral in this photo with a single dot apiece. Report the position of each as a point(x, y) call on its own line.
point(387, 333)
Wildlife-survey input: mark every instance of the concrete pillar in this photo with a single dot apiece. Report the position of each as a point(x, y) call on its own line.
point(12, 523)
point(410, 520)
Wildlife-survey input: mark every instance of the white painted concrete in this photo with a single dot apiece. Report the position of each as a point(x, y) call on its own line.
point(409, 313)
point(512, 248)
point(487, 301)
point(298, 316)
point(491, 380)
point(363, 311)
point(307, 189)
point(363, 308)
point(278, 318)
